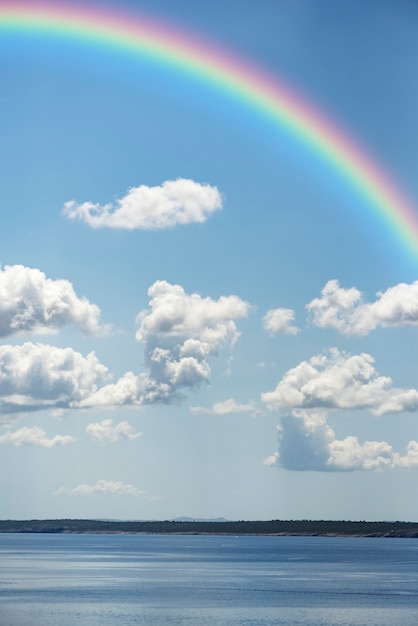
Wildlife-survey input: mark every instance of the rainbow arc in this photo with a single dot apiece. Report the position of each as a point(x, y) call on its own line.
point(267, 94)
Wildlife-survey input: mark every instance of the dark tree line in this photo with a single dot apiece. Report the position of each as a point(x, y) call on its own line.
point(273, 527)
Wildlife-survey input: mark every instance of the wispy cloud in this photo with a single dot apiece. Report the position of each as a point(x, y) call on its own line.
point(101, 488)
point(226, 407)
point(106, 432)
point(175, 202)
point(34, 436)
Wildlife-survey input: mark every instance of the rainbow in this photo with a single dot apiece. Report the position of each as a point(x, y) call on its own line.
point(268, 95)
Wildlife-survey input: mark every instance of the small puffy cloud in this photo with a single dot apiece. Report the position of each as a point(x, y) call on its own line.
point(106, 432)
point(280, 321)
point(180, 331)
point(350, 454)
point(36, 376)
point(180, 201)
point(101, 488)
point(272, 460)
point(32, 303)
point(202, 325)
point(226, 408)
point(339, 381)
point(308, 443)
point(34, 436)
point(345, 311)
point(410, 459)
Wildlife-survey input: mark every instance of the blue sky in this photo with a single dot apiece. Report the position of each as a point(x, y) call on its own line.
point(198, 316)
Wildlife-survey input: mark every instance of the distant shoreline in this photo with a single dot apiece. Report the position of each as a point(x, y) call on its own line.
point(280, 528)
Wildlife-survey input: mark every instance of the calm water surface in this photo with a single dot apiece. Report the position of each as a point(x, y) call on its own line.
point(161, 580)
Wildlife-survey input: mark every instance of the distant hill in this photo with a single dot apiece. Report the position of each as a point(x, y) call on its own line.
point(176, 519)
point(200, 519)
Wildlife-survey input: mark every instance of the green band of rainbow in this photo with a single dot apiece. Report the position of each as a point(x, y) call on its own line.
point(269, 96)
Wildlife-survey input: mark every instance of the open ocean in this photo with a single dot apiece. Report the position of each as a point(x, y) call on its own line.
point(194, 580)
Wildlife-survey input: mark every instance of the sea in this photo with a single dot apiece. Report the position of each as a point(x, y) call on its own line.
point(200, 580)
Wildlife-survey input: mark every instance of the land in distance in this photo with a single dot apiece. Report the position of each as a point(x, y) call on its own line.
point(274, 527)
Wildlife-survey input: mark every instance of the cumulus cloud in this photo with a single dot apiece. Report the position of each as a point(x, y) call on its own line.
point(32, 303)
point(34, 436)
point(36, 376)
point(308, 443)
point(345, 310)
point(131, 389)
point(106, 432)
point(410, 459)
point(226, 408)
point(180, 201)
point(201, 324)
point(340, 381)
point(101, 488)
point(180, 332)
point(304, 441)
point(280, 321)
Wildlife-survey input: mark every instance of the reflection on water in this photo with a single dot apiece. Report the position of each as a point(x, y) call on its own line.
point(154, 580)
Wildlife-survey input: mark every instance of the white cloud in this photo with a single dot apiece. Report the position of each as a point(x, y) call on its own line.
point(130, 389)
point(308, 443)
point(180, 332)
point(410, 459)
point(101, 488)
point(340, 381)
point(35, 376)
point(345, 311)
point(232, 406)
point(175, 202)
point(280, 321)
point(105, 432)
point(34, 436)
point(202, 325)
point(225, 408)
point(272, 460)
point(349, 454)
point(31, 302)
point(304, 441)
